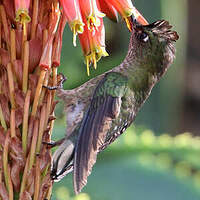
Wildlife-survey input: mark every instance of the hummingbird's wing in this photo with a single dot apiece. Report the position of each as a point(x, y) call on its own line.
point(105, 106)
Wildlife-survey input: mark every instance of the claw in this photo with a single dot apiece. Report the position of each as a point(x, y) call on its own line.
point(60, 85)
point(50, 144)
point(51, 87)
point(54, 144)
point(62, 79)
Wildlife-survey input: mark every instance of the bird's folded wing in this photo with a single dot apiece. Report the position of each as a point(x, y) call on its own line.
point(93, 132)
point(105, 106)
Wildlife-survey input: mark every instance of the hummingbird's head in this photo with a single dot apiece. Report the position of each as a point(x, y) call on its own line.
point(154, 44)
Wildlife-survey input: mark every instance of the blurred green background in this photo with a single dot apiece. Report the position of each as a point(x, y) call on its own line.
point(138, 166)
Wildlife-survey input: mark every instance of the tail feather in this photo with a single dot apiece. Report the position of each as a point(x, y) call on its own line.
point(62, 161)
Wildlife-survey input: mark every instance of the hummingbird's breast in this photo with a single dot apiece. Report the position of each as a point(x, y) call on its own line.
point(74, 115)
point(77, 106)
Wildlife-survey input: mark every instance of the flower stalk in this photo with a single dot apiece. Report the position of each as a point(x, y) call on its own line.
point(12, 123)
point(25, 66)
point(2, 119)
point(24, 114)
point(34, 18)
point(11, 84)
point(4, 23)
point(25, 121)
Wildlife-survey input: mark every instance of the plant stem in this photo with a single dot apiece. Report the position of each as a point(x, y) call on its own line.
point(54, 72)
point(0, 33)
point(12, 45)
point(38, 91)
point(33, 144)
point(46, 79)
point(37, 179)
point(25, 66)
point(3, 122)
point(10, 185)
point(48, 197)
point(5, 23)
point(5, 159)
point(24, 178)
point(25, 121)
point(12, 123)
point(34, 18)
point(41, 128)
point(48, 110)
point(11, 84)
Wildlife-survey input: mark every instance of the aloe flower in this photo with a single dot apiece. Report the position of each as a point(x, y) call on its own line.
point(73, 13)
point(110, 11)
point(91, 13)
point(31, 33)
point(85, 19)
point(93, 45)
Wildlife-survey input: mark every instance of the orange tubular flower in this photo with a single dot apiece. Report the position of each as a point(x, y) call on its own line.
point(46, 58)
point(72, 12)
point(126, 9)
point(58, 42)
point(93, 45)
point(22, 9)
point(109, 10)
point(91, 12)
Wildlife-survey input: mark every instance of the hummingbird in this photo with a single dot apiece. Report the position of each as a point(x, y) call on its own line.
point(101, 109)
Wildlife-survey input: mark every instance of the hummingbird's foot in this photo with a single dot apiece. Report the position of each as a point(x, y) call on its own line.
point(54, 143)
point(60, 83)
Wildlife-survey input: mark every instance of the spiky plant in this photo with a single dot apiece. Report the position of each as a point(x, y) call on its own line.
point(30, 47)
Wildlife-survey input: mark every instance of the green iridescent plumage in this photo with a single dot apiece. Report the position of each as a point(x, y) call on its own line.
point(102, 108)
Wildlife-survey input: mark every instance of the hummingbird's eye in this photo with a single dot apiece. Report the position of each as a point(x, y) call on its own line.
point(143, 37)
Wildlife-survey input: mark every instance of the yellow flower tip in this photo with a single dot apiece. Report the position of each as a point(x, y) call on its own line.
point(93, 22)
point(22, 16)
point(101, 14)
point(94, 60)
point(133, 11)
point(128, 12)
point(95, 64)
point(128, 23)
point(91, 59)
point(101, 51)
point(74, 38)
point(76, 27)
point(94, 57)
point(88, 65)
point(137, 15)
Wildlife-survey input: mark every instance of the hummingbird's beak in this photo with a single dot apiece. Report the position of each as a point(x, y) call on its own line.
point(139, 17)
point(133, 23)
point(136, 19)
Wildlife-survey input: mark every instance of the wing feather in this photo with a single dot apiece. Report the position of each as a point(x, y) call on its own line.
point(96, 123)
point(92, 137)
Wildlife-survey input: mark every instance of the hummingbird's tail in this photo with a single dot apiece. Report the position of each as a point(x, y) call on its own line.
point(62, 161)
